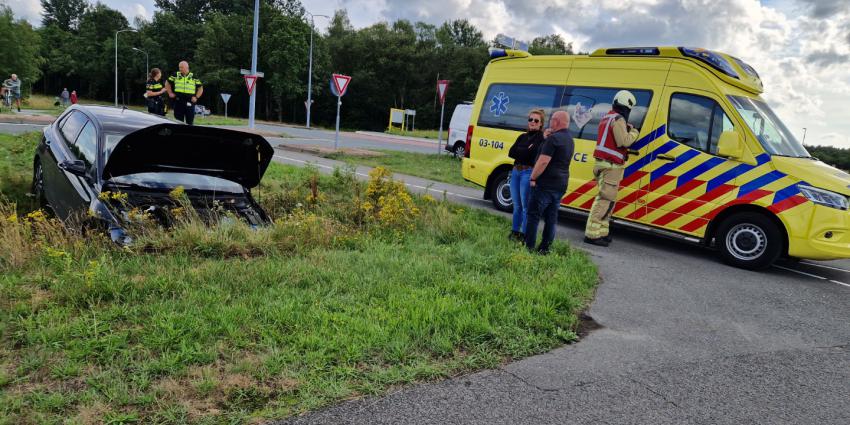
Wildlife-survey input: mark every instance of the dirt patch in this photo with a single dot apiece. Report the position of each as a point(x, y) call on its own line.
point(586, 325)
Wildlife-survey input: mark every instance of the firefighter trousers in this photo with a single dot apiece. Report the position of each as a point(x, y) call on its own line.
point(608, 176)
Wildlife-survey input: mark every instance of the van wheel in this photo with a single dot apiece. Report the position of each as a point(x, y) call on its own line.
point(459, 150)
point(500, 192)
point(749, 241)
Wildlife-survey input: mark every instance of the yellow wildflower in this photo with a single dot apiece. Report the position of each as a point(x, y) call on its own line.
point(177, 193)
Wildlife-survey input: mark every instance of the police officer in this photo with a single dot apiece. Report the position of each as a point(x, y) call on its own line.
point(612, 142)
point(153, 93)
point(185, 89)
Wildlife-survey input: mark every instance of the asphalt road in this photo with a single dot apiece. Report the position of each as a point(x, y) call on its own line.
point(7, 128)
point(683, 339)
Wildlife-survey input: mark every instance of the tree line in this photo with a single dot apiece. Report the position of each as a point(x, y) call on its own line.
point(392, 64)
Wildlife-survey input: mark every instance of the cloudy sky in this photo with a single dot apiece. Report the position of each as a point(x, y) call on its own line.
point(801, 48)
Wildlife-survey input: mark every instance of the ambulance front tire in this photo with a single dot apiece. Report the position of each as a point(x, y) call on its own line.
point(749, 240)
point(500, 192)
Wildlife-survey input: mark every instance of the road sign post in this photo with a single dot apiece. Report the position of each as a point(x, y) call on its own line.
point(226, 98)
point(251, 77)
point(442, 88)
point(339, 84)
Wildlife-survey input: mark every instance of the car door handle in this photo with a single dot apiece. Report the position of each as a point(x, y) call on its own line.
point(664, 157)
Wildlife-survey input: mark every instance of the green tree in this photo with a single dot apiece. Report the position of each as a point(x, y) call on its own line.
point(64, 14)
point(95, 51)
point(20, 46)
point(552, 44)
point(460, 33)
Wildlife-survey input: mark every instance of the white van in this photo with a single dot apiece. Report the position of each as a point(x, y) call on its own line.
point(456, 143)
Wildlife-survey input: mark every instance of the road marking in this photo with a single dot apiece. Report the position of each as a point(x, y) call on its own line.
point(812, 275)
point(825, 266)
point(840, 283)
point(799, 272)
point(366, 175)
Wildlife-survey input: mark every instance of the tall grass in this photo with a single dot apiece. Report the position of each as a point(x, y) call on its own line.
point(354, 288)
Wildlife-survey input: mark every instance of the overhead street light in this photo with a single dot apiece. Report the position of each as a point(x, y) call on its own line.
point(147, 62)
point(309, 103)
point(116, 61)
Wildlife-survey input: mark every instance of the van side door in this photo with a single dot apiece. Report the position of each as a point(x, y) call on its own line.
point(586, 106)
point(686, 179)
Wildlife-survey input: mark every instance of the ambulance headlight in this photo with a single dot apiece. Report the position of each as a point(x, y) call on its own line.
point(824, 197)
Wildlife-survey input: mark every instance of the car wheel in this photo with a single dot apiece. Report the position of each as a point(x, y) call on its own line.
point(459, 150)
point(501, 192)
point(750, 241)
point(38, 185)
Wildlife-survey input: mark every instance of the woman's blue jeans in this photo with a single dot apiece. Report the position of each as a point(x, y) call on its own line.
point(520, 190)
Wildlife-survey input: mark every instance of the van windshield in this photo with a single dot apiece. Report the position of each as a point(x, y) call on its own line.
point(769, 130)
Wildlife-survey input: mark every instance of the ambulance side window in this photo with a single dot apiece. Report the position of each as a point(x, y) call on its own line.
point(507, 105)
point(697, 121)
point(587, 106)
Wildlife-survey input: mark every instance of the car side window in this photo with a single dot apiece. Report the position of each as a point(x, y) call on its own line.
point(85, 147)
point(587, 106)
point(72, 126)
point(697, 121)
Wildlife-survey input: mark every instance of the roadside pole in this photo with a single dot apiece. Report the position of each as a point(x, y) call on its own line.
point(338, 105)
point(253, 93)
point(226, 98)
point(442, 88)
point(339, 85)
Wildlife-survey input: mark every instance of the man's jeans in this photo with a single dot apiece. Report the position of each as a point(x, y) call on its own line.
point(542, 203)
point(520, 191)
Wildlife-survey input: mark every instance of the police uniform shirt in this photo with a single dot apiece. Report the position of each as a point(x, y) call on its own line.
point(153, 85)
point(184, 85)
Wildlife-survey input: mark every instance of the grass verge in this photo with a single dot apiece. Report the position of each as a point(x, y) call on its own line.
point(443, 168)
point(427, 134)
point(355, 288)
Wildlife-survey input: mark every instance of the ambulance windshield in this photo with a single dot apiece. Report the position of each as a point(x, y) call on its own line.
point(771, 133)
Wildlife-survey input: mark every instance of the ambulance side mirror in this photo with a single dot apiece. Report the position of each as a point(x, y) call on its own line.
point(730, 145)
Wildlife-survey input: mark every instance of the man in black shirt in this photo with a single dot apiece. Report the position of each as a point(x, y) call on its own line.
point(549, 182)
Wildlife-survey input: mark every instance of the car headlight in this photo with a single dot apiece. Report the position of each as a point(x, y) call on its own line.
point(824, 197)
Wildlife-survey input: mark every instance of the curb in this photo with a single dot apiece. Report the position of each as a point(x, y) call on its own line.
point(321, 150)
point(29, 119)
point(394, 136)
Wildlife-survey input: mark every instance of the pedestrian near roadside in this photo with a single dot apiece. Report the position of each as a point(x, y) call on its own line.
point(549, 179)
point(13, 86)
point(524, 152)
point(73, 97)
point(65, 97)
point(614, 137)
point(185, 89)
point(153, 93)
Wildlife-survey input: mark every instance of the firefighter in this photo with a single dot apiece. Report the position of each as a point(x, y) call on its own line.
point(185, 89)
point(612, 142)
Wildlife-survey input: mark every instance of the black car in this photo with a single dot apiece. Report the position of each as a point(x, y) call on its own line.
point(91, 150)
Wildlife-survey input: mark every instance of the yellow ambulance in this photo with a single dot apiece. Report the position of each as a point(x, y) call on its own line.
point(713, 163)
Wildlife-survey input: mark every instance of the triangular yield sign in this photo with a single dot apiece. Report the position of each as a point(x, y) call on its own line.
point(250, 83)
point(341, 83)
point(442, 88)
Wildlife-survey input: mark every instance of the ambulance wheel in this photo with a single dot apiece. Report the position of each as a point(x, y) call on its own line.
point(749, 241)
point(500, 192)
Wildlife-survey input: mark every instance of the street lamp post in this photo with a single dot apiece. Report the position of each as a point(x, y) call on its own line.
point(116, 61)
point(804, 136)
point(309, 104)
point(147, 62)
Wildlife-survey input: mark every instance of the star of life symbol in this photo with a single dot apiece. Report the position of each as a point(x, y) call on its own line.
point(499, 104)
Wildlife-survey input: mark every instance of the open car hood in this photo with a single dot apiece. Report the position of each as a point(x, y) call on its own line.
point(232, 155)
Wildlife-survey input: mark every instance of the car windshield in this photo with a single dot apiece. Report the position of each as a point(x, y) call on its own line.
point(770, 131)
point(168, 181)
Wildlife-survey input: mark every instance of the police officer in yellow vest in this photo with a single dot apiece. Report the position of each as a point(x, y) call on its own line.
point(185, 89)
